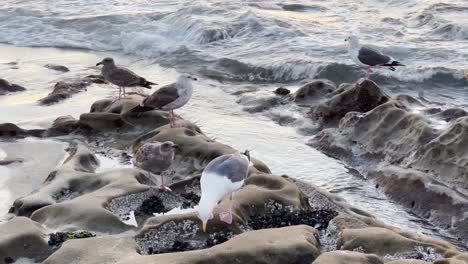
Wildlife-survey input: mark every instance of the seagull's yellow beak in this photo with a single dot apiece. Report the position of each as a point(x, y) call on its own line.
point(204, 227)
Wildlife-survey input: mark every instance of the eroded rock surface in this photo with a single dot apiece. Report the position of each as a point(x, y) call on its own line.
point(6, 87)
point(276, 219)
point(66, 89)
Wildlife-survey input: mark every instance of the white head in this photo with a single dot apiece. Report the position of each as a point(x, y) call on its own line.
point(186, 78)
point(352, 40)
point(106, 62)
point(205, 209)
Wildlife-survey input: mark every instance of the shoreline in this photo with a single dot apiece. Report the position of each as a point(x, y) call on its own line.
point(98, 92)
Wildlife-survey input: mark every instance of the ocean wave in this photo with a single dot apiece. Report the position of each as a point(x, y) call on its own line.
point(193, 25)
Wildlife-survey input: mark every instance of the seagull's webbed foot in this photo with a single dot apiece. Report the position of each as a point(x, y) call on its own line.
point(226, 217)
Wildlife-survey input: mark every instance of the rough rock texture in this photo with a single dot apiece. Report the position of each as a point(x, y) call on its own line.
point(314, 91)
point(347, 257)
point(428, 158)
point(66, 89)
point(360, 98)
point(6, 87)
point(108, 249)
point(425, 196)
point(23, 238)
point(262, 101)
point(106, 115)
point(447, 155)
point(197, 150)
point(269, 246)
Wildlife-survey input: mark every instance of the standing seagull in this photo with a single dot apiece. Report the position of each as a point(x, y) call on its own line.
point(122, 77)
point(156, 158)
point(369, 57)
point(169, 97)
point(222, 176)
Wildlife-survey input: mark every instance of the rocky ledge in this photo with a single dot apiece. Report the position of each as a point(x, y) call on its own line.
point(417, 155)
point(112, 216)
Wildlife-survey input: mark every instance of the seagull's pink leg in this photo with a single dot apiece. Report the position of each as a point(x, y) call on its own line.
point(226, 217)
point(173, 120)
point(368, 72)
point(164, 187)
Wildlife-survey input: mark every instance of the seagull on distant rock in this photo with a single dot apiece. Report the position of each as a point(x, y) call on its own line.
point(222, 176)
point(367, 56)
point(156, 158)
point(122, 77)
point(169, 97)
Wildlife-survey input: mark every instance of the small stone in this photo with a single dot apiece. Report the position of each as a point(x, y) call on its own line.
point(56, 67)
point(282, 91)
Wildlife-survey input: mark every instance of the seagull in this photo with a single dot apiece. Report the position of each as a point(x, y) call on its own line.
point(122, 77)
point(156, 157)
point(169, 97)
point(367, 56)
point(222, 176)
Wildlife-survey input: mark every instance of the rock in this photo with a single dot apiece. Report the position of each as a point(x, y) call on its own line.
point(56, 67)
point(361, 98)
point(451, 114)
point(282, 91)
point(11, 130)
point(63, 90)
point(314, 91)
point(390, 130)
point(447, 155)
point(63, 125)
point(106, 115)
point(22, 238)
point(263, 246)
point(98, 79)
point(66, 89)
point(261, 101)
point(9, 161)
point(347, 257)
point(6, 87)
point(197, 150)
point(73, 197)
point(408, 261)
point(425, 197)
point(384, 242)
point(107, 249)
point(457, 259)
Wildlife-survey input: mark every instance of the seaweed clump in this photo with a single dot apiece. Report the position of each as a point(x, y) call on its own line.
point(152, 205)
point(177, 246)
point(191, 200)
point(56, 239)
point(278, 215)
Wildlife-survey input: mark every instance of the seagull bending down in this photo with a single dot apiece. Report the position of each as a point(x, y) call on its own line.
point(122, 77)
point(169, 97)
point(369, 57)
point(222, 176)
point(156, 158)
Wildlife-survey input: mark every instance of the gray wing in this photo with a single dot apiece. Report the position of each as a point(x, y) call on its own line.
point(164, 96)
point(124, 77)
point(232, 166)
point(372, 57)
